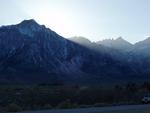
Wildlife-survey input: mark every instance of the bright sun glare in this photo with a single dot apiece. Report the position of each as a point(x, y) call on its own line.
point(56, 19)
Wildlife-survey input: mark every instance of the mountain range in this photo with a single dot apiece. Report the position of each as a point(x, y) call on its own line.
point(33, 54)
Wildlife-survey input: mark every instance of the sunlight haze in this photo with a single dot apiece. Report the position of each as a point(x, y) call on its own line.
point(93, 19)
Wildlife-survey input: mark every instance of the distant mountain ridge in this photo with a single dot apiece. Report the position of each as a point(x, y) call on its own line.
point(31, 54)
point(118, 43)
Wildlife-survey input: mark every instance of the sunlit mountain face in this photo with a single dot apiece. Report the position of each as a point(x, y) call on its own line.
point(32, 53)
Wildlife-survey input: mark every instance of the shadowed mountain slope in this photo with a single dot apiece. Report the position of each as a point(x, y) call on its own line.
point(32, 53)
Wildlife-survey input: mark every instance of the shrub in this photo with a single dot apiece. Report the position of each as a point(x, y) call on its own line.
point(48, 106)
point(13, 108)
point(65, 104)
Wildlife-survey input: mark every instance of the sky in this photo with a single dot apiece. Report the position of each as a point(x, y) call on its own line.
point(93, 19)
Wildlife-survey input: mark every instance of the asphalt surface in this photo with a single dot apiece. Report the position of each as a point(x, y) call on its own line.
point(94, 110)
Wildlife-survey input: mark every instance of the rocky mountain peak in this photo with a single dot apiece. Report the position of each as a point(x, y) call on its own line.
point(120, 39)
point(80, 39)
point(30, 22)
point(28, 27)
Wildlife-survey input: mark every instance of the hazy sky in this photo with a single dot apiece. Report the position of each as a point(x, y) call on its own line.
point(94, 19)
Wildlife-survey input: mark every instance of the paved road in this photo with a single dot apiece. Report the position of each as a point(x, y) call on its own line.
point(96, 110)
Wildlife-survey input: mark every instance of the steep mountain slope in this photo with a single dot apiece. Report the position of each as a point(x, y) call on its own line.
point(32, 53)
point(141, 55)
point(28, 49)
point(142, 47)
